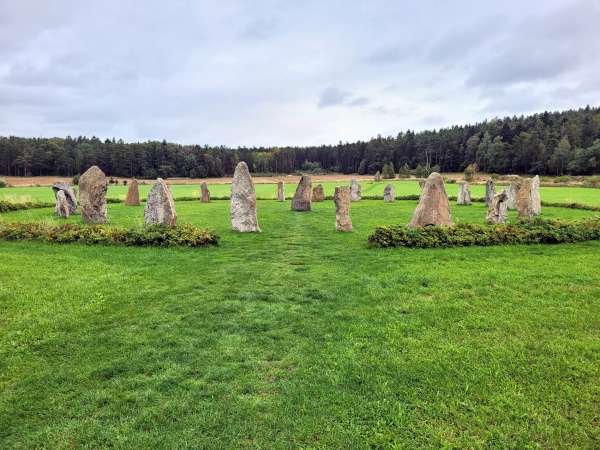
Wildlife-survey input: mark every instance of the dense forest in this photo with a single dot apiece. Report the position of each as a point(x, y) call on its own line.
point(552, 143)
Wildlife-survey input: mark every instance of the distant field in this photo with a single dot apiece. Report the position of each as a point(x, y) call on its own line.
point(587, 196)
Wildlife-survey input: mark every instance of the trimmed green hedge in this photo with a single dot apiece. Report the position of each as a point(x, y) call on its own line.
point(536, 231)
point(148, 236)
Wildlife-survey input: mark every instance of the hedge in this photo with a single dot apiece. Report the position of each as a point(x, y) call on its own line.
point(536, 231)
point(147, 236)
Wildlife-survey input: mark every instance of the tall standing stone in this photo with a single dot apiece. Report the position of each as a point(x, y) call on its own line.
point(512, 192)
point(433, 207)
point(62, 208)
point(342, 208)
point(464, 194)
point(318, 194)
point(133, 194)
point(280, 191)
point(302, 197)
point(389, 194)
point(92, 195)
point(204, 193)
point(160, 207)
point(377, 176)
point(498, 209)
point(524, 200)
point(69, 193)
point(243, 201)
point(536, 200)
point(355, 191)
point(490, 191)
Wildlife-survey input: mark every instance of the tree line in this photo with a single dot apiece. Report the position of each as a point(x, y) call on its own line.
point(549, 143)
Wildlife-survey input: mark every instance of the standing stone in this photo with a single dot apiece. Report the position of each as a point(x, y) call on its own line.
point(524, 200)
point(69, 193)
point(302, 197)
point(92, 195)
point(280, 192)
point(62, 208)
point(498, 209)
point(422, 183)
point(389, 194)
point(160, 207)
point(342, 209)
point(243, 201)
point(318, 195)
point(433, 207)
point(377, 176)
point(512, 193)
point(355, 191)
point(490, 191)
point(133, 194)
point(464, 194)
point(536, 201)
point(204, 193)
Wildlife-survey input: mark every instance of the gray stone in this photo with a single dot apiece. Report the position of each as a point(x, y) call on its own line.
point(342, 209)
point(355, 191)
point(422, 183)
point(243, 201)
point(389, 193)
point(498, 209)
point(490, 191)
point(280, 192)
point(433, 207)
point(536, 201)
point(92, 195)
point(303, 195)
point(464, 194)
point(204, 193)
point(70, 196)
point(62, 208)
point(377, 176)
point(318, 194)
point(512, 192)
point(160, 207)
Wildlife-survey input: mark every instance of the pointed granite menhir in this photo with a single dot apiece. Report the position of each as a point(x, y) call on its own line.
point(490, 191)
point(355, 191)
point(280, 191)
point(133, 194)
point(160, 207)
point(318, 195)
point(536, 200)
point(342, 208)
point(464, 194)
point(69, 194)
point(498, 209)
point(243, 201)
point(433, 207)
point(511, 192)
point(62, 208)
point(92, 195)
point(205, 193)
point(303, 195)
point(389, 194)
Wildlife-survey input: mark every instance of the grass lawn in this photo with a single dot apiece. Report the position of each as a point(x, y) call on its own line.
point(587, 196)
point(299, 337)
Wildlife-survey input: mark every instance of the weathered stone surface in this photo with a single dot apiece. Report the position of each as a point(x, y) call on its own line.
point(355, 191)
point(280, 192)
point(92, 195)
point(422, 183)
point(536, 200)
point(498, 209)
point(133, 194)
point(512, 192)
point(342, 208)
point(318, 194)
point(204, 193)
point(524, 200)
point(302, 197)
point(70, 195)
point(377, 176)
point(464, 194)
point(160, 207)
point(243, 201)
point(62, 208)
point(433, 207)
point(389, 193)
point(490, 191)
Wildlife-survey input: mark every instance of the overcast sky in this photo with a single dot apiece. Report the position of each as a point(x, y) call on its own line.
point(288, 72)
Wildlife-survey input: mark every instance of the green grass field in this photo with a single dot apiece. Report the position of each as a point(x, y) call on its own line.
point(550, 194)
point(299, 337)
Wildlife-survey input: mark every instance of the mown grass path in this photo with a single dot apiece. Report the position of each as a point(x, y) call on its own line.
point(298, 337)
